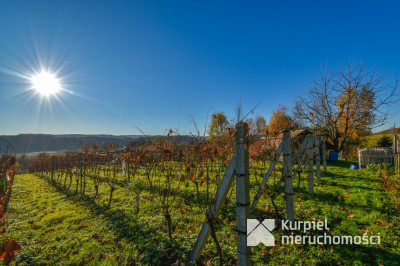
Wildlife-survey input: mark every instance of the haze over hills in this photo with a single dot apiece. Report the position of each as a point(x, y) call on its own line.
point(31, 143)
point(34, 143)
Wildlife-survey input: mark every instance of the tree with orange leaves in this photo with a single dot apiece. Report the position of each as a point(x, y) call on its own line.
point(219, 125)
point(280, 120)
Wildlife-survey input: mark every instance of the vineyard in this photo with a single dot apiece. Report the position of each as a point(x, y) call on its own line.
point(7, 163)
point(177, 201)
point(163, 172)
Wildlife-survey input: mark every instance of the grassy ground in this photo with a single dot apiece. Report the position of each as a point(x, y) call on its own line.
point(371, 140)
point(55, 226)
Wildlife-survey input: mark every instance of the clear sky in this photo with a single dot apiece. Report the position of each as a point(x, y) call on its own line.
point(154, 63)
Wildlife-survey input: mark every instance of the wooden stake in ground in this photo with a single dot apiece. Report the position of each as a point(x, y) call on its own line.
point(52, 168)
point(287, 163)
point(324, 153)
point(317, 157)
point(310, 165)
point(81, 171)
point(219, 199)
point(266, 176)
point(242, 194)
point(123, 166)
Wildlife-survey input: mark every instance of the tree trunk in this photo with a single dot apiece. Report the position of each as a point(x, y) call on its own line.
point(336, 144)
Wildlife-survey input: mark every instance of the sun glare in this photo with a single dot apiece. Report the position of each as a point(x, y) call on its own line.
point(46, 83)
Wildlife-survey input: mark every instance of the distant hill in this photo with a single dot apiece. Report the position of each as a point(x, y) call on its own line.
point(371, 140)
point(32, 143)
point(388, 132)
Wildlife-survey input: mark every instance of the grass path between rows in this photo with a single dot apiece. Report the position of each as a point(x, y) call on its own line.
point(354, 204)
point(57, 228)
point(54, 229)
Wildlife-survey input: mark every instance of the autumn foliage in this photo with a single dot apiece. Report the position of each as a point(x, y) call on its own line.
point(7, 173)
point(280, 120)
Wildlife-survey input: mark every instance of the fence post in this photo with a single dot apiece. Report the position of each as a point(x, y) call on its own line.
point(123, 170)
point(324, 153)
point(398, 164)
point(394, 140)
point(310, 165)
point(84, 176)
point(242, 194)
point(52, 168)
point(219, 200)
point(317, 157)
point(267, 175)
point(287, 164)
point(81, 166)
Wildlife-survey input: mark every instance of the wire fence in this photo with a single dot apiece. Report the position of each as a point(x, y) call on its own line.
point(261, 166)
point(397, 164)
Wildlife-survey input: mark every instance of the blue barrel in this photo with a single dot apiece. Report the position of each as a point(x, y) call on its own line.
point(333, 156)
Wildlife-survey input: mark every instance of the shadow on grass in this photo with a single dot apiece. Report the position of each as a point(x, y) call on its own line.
point(126, 227)
point(333, 199)
point(368, 255)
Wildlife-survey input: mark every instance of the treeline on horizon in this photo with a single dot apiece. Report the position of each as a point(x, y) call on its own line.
point(34, 143)
point(31, 143)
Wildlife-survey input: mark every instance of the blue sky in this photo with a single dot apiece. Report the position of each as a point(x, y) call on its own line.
point(154, 63)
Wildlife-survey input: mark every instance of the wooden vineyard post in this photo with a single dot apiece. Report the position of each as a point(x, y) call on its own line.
point(123, 170)
point(317, 157)
point(219, 199)
point(266, 176)
point(242, 194)
point(398, 164)
point(298, 158)
point(81, 172)
point(239, 166)
point(324, 153)
point(52, 168)
point(310, 165)
point(287, 164)
point(84, 176)
point(394, 141)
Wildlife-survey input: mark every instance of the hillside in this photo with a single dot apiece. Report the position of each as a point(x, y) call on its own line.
point(30, 143)
point(387, 132)
point(371, 140)
point(33, 143)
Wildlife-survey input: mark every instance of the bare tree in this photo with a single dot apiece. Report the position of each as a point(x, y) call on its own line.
point(252, 126)
point(261, 123)
point(347, 103)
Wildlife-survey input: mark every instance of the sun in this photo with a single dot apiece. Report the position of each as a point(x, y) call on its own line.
point(46, 83)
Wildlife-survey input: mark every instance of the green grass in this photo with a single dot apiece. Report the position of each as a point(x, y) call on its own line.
point(372, 140)
point(365, 208)
point(55, 226)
